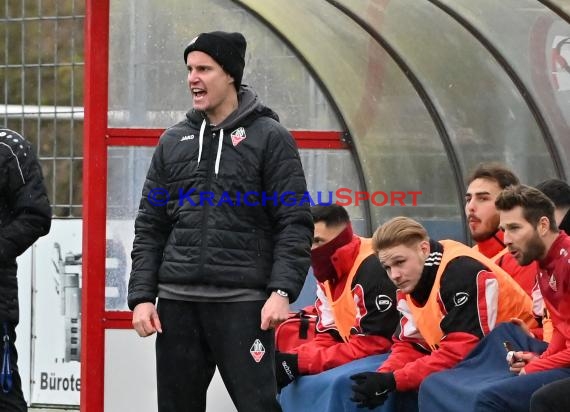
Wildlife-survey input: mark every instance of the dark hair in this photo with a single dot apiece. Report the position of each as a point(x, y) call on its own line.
point(494, 171)
point(557, 190)
point(332, 215)
point(533, 202)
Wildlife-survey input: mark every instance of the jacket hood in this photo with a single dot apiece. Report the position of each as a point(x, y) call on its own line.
point(249, 108)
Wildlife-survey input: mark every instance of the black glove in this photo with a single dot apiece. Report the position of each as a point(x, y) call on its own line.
point(286, 369)
point(372, 388)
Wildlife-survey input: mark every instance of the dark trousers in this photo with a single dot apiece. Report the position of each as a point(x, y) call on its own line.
point(554, 397)
point(483, 383)
point(13, 401)
point(198, 336)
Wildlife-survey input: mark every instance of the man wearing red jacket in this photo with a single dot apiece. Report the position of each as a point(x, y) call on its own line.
point(449, 297)
point(484, 185)
point(485, 382)
point(527, 217)
point(356, 301)
point(554, 396)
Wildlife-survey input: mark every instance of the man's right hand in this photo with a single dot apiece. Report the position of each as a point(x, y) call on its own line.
point(371, 389)
point(518, 360)
point(145, 319)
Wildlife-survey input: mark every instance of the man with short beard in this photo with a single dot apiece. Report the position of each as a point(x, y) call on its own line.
point(484, 184)
point(554, 396)
point(531, 234)
point(485, 382)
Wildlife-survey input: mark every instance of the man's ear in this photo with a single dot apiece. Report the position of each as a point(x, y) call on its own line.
point(543, 225)
point(424, 248)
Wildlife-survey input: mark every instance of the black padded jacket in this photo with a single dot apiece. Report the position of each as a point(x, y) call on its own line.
point(223, 213)
point(25, 213)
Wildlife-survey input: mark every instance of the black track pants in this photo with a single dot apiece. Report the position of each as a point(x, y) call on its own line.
point(196, 337)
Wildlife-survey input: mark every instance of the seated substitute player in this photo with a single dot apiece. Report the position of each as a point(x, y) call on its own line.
point(449, 297)
point(355, 300)
point(485, 381)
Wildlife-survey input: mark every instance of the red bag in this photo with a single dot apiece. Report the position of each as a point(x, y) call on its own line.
point(298, 329)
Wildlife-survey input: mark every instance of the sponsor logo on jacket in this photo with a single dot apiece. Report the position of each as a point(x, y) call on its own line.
point(460, 298)
point(383, 303)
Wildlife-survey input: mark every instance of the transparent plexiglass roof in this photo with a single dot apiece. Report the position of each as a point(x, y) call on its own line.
point(428, 89)
point(425, 89)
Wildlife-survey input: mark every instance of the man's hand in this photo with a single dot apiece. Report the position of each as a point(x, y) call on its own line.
point(286, 369)
point(145, 319)
point(275, 311)
point(518, 360)
point(372, 388)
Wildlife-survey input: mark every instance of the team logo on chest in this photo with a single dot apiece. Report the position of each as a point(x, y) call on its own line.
point(238, 135)
point(257, 350)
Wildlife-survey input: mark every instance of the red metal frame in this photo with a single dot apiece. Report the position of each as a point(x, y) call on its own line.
point(94, 205)
point(98, 137)
point(306, 139)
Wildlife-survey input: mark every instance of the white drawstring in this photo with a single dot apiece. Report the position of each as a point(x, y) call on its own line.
point(219, 154)
point(201, 141)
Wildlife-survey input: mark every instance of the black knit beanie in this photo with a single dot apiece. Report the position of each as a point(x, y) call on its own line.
point(227, 49)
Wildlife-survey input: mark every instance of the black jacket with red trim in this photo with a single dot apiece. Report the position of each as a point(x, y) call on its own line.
point(375, 298)
point(554, 280)
point(411, 359)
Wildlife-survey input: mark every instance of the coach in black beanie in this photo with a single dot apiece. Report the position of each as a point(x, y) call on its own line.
point(227, 49)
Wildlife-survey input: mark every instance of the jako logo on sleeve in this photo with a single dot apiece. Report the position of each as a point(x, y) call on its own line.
point(460, 298)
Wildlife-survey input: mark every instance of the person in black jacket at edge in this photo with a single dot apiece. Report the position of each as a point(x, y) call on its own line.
point(559, 192)
point(25, 215)
point(222, 237)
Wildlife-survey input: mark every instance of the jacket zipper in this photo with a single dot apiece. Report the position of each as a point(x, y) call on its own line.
point(206, 206)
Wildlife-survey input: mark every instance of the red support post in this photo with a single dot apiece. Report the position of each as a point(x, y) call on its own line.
point(94, 205)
